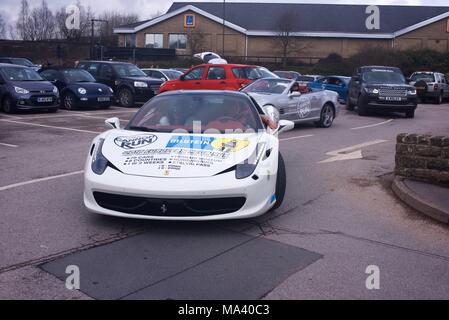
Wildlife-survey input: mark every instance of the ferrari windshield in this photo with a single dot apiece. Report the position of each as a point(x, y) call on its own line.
point(268, 86)
point(197, 113)
point(21, 74)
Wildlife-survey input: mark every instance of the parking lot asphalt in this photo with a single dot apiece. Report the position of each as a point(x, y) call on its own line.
point(338, 207)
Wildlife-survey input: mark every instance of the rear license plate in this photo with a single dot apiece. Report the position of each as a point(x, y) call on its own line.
point(45, 99)
point(104, 99)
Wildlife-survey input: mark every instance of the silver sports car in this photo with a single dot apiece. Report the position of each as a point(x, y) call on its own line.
point(320, 106)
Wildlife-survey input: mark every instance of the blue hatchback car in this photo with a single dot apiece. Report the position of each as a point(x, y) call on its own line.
point(338, 84)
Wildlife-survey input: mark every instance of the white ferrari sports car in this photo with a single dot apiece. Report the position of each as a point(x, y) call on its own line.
point(189, 155)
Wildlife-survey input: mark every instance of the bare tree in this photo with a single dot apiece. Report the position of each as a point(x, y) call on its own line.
point(42, 23)
point(35, 24)
point(74, 34)
point(2, 27)
point(196, 40)
point(12, 33)
point(23, 20)
point(285, 26)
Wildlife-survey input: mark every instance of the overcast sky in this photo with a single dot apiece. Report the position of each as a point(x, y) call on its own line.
point(148, 8)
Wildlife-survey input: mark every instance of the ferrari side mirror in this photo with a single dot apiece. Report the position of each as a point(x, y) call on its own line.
point(112, 123)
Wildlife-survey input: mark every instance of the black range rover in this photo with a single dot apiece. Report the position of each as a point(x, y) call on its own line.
point(130, 84)
point(22, 88)
point(381, 89)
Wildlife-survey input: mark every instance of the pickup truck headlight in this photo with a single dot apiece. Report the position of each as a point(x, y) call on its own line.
point(82, 91)
point(21, 90)
point(411, 92)
point(247, 167)
point(140, 84)
point(372, 90)
point(99, 162)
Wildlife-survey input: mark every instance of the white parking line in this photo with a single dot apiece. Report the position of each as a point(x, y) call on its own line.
point(372, 125)
point(11, 117)
point(298, 137)
point(9, 145)
point(51, 127)
point(20, 184)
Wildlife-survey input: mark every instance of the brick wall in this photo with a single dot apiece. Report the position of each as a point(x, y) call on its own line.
point(423, 157)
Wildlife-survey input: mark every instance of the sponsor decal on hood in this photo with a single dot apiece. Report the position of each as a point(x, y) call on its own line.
point(135, 142)
point(177, 155)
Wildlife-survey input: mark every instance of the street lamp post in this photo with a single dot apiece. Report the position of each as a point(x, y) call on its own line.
point(93, 34)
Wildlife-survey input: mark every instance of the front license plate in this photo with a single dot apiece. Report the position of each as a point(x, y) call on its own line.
point(45, 99)
point(393, 98)
point(104, 99)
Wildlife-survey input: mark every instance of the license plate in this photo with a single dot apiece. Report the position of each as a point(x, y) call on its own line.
point(45, 99)
point(393, 98)
point(103, 99)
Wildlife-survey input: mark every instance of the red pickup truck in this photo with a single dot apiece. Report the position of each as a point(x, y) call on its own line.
point(217, 77)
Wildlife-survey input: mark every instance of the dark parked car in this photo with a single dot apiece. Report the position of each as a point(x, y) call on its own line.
point(22, 88)
point(20, 62)
point(163, 74)
point(130, 84)
point(293, 75)
point(382, 89)
point(78, 88)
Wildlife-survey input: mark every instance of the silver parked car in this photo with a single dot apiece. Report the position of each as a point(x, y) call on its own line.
point(320, 106)
point(430, 85)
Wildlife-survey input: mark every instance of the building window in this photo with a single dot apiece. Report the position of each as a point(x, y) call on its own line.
point(154, 40)
point(130, 40)
point(177, 41)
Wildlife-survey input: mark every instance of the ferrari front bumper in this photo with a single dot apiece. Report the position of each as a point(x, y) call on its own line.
point(155, 198)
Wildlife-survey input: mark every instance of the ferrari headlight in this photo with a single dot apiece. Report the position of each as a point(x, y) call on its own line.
point(247, 167)
point(82, 91)
point(140, 84)
point(21, 90)
point(411, 92)
point(99, 162)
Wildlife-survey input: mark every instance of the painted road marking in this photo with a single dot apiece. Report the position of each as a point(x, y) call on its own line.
point(373, 125)
point(9, 145)
point(20, 184)
point(51, 127)
point(350, 153)
point(298, 137)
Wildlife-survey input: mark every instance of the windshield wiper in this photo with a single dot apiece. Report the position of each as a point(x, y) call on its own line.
point(146, 129)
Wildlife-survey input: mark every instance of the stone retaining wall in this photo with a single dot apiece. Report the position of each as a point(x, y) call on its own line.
point(423, 157)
